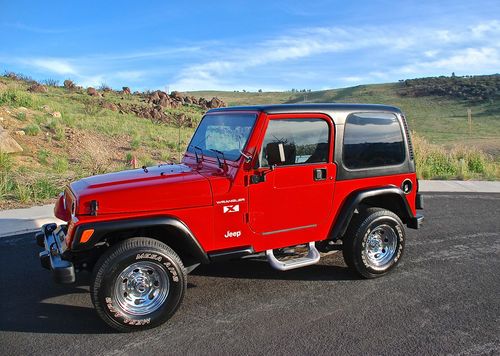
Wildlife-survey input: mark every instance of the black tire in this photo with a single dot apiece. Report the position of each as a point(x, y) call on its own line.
point(153, 267)
point(386, 232)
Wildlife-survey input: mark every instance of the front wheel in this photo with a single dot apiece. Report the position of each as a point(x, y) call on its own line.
point(138, 284)
point(374, 242)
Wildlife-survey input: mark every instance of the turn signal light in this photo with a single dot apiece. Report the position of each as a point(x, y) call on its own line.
point(86, 235)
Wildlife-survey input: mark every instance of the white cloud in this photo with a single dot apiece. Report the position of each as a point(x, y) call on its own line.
point(54, 65)
point(411, 52)
point(481, 29)
point(431, 53)
point(352, 79)
point(469, 60)
point(309, 57)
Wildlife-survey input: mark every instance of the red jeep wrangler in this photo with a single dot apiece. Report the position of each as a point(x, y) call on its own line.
point(254, 180)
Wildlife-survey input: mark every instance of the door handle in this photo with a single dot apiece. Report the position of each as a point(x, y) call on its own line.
point(319, 174)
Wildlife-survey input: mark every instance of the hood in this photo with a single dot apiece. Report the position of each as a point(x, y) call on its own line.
point(157, 188)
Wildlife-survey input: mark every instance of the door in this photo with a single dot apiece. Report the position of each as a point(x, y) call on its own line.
point(291, 188)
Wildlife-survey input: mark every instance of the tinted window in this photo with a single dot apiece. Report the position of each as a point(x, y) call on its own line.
point(372, 140)
point(226, 133)
point(301, 141)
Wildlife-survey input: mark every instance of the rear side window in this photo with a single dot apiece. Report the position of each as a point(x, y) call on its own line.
point(373, 140)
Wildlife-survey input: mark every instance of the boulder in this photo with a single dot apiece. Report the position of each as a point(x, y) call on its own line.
point(37, 88)
point(7, 143)
point(165, 102)
point(68, 84)
point(176, 95)
point(216, 103)
point(92, 92)
point(203, 103)
point(109, 106)
point(154, 97)
point(56, 114)
point(20, 133)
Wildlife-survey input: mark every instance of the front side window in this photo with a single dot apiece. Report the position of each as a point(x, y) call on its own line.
point(225, 134)
point(373, 140)
point(295, 141)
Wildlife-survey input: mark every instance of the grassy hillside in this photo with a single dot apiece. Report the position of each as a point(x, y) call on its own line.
point(67, 134)
point(440, 120)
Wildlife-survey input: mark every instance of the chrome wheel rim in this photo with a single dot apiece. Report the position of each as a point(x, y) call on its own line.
point(380, 247)
point(142, 288)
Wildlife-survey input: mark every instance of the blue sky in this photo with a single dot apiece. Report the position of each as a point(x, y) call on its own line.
point(251, 45)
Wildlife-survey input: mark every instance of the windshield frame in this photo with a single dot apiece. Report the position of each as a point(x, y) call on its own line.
point(207, 152)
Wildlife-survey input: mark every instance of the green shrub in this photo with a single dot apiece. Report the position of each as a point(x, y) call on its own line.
point(91, 107)
point(146, 161)
point(44, 189)
point(32, 130)
point(43, 156)
point(460, 162)
point(128, 157)
point(61, 165)
point(21, 116)
point(23, 193)
point(59, 133)
point(7, 185)
point(51, 124)
point(5, 162)
point(17, 97)
point(476, 162)
point(135, 143)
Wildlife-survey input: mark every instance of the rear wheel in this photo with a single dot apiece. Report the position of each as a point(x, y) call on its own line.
point(138, 284)
point(374, 242)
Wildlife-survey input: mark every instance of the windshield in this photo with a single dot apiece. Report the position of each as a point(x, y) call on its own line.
point(227, 134)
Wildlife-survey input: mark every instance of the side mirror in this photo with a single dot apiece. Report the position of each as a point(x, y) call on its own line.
point(275, 153)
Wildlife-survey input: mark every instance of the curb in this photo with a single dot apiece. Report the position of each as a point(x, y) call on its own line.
point(457, 186)
point(23, 221)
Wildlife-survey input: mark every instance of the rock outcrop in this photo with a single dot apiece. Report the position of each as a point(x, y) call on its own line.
point(7, 143)
point(68, 84)
point(92, 92)
point(176, 99)
point(37, 88)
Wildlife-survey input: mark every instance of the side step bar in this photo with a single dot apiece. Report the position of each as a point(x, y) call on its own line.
point(311, 258)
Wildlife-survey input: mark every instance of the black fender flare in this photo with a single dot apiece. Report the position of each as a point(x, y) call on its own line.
point(352, 202)
point(101, 229)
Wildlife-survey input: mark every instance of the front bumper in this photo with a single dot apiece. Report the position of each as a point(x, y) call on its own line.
point(51, 238)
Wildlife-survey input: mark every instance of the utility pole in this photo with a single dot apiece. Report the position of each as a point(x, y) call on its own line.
point(469, 120)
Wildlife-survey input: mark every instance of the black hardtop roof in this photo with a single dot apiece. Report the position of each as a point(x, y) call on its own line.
point(298, 108)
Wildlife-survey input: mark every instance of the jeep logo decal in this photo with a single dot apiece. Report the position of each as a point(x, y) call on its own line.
point(232, 234)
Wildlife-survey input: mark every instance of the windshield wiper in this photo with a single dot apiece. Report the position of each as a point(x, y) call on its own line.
point(196, 154)
point(218, 159)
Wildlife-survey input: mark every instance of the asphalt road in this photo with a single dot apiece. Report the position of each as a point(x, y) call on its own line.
point(443, 298)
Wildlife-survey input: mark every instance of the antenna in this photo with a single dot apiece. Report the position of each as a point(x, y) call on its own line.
point(179, 138)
